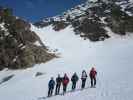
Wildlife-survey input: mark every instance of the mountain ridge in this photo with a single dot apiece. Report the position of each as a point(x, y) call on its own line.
point(87, 19)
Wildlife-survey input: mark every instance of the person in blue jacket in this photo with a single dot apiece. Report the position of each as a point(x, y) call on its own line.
point(51, 85)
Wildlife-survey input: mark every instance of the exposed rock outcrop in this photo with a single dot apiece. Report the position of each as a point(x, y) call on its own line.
point(18, 48)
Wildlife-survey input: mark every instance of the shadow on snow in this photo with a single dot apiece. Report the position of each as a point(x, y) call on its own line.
point(61, 94)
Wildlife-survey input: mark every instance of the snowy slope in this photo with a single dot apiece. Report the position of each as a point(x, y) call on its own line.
point(112, 59)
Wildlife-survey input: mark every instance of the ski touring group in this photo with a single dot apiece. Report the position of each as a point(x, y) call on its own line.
point(64, 81)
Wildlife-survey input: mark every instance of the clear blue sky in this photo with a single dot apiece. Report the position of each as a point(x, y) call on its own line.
point(34, 10)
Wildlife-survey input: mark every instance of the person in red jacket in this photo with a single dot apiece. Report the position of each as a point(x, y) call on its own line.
point(93, 74)
point(65, 82)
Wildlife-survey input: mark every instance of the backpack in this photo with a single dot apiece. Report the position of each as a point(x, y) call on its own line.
point(74, 78)
point(51, 83)
point(93, 73)
point(84, 75)
point(65, 80)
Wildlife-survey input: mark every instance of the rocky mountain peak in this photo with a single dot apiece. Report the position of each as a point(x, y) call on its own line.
point(87, 18)
point(19, 46)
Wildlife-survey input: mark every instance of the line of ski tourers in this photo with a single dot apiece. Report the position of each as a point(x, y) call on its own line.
point(74, 79)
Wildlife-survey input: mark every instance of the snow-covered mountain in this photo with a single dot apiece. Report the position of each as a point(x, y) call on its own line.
point(90, 19)
point(81, 9)
point(112, 57)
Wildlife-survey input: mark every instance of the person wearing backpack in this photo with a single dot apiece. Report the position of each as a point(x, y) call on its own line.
point(93, 74)
point(51, 85)
point(58, 84)
point(74, 80)
point(65, 82)
point(83, 78)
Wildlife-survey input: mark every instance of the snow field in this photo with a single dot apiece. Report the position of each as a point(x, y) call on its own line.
point(112, 58)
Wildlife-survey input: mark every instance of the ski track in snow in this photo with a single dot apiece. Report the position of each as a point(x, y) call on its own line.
point(112, 59)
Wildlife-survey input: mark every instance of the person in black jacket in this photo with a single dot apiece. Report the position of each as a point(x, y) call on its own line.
point(51, 85)
point(74, 80)
point(58, 84)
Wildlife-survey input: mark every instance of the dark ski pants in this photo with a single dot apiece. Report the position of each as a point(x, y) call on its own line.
point(83, 83)
point(93, 81)
point(73, 85)
point(64, 88)
point(57, 90)
point(50, 92)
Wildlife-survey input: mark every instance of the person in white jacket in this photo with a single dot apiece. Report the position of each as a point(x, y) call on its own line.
point(83, 78)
